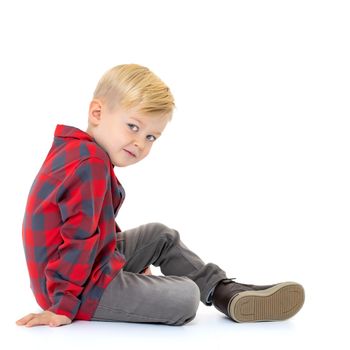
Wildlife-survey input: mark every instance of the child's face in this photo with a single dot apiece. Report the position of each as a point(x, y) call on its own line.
point(127, 136)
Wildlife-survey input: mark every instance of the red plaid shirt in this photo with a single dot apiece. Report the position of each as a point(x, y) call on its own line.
point(69, 231)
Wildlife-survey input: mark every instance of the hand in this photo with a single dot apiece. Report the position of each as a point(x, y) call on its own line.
point(147, 271)
point(44, 318)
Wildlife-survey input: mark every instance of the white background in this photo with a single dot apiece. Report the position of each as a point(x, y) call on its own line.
point(253, 170)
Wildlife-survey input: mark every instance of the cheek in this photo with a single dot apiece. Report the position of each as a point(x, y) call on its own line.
point(114, 146)
point(146, 151)
point(107, 141)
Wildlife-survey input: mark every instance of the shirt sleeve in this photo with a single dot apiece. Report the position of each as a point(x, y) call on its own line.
point(80, 200)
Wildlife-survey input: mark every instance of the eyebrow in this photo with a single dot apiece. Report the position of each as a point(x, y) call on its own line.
point(139, 121)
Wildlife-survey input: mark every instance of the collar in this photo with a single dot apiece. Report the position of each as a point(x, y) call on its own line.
point(72, 132)
point(67, 131)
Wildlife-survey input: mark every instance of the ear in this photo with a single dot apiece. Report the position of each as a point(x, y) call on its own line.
point(95, 111)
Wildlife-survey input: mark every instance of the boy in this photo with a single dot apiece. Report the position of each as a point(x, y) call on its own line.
point(82, 266)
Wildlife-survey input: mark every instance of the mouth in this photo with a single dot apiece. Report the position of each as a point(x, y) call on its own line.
point(130, 153)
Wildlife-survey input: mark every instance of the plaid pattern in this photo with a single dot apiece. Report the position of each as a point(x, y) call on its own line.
point(69, 232)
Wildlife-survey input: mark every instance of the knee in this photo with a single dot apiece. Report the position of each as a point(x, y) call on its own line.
point(166, 233)
point(193, 297)
point(188, 304)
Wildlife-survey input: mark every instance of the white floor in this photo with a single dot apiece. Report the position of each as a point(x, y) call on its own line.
point(209, 330)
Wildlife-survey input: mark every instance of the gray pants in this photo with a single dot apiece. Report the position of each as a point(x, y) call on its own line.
point(171, 299)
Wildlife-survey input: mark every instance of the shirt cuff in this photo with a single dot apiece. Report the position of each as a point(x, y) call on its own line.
point(68, 305)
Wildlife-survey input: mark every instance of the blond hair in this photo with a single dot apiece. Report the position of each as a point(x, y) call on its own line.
point(135, 86)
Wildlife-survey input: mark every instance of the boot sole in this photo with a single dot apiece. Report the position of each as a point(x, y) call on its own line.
point(277, 303)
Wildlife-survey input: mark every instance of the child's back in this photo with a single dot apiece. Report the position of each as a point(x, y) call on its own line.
point(69, 230)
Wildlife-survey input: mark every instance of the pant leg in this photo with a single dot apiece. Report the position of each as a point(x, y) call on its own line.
point(132, 297)
point(158, 245)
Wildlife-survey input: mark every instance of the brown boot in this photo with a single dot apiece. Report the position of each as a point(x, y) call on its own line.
point(250, 303)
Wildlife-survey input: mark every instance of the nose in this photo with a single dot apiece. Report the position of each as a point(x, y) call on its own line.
point(139, 143)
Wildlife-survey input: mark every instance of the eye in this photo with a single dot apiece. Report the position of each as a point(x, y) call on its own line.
point(151, 138)
point(133, 127)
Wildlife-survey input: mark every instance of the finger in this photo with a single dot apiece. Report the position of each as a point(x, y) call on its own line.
point(148, 271)
point(37, 321)
point(22, 321)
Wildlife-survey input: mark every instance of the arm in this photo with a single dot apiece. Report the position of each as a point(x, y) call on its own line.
point(80, 202)
point(80, 199)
